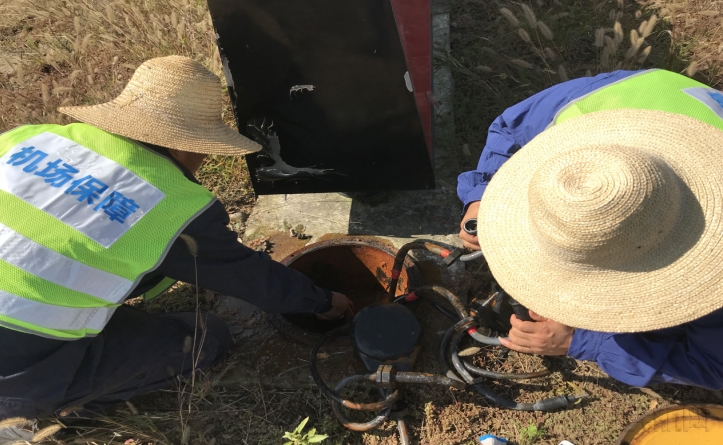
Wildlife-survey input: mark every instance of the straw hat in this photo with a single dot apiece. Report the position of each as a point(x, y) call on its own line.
point(611, 221)
point(173, 102)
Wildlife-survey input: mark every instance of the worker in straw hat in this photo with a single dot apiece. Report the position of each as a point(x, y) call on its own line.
point(602, 212)
point(97, 212)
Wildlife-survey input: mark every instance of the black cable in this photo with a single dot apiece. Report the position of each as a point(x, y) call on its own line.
point(441, 309)
point(402, 253)
point(428, 291)
point(471, 257)
point(355, 426)
point(462, 324)
point(334, 395)
point(543, 405)
point(504, 375)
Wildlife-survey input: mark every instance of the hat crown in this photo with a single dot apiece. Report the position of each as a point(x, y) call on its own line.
point(178, 87)
point(603, 206)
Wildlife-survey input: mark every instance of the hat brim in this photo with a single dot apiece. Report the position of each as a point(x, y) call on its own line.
point(155, 128)
point(678, 281)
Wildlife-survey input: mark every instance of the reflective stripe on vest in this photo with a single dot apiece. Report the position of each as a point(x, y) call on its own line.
point(652, 90)
point(84, 215)
point(159, 289)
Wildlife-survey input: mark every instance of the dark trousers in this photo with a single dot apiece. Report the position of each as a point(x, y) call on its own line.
point(136, 353)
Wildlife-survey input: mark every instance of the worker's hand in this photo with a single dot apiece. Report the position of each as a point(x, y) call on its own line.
point(341, 306)
point(468, 240)
point(543, 336)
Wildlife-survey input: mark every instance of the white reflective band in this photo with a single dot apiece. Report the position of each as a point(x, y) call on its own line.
point(53, 317)
point(89, 192)
point(42, 262)
point(712, 99)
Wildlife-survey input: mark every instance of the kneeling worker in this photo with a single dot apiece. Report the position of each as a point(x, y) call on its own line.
point(607, 222)
point(97, 212)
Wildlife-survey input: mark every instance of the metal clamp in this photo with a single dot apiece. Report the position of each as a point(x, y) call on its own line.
point(385, 377)
point(452, 257)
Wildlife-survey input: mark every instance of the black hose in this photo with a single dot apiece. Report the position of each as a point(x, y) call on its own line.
point(334, 395)
point(503, 375)
point(543, 405)
point(402, 253)
point(355, 426)
point(470, 257)
point(426, 292)
point(462, 324)
point(441, 309)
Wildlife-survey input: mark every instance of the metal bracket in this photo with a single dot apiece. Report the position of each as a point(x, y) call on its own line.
point(385, 377)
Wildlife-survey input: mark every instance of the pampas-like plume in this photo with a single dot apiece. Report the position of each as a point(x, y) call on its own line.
point(524, 35)
point(550, 53)
point(109, 13)
point(644, 54)
point(132, 407)
point(510, 16)
point(46, 432)
point(649, 25)
point(529, 15)
point(618, 30)
point(13, 421)
point(84, 43)
point(562, 73)
point(692, 69)
point(187, 344)
point(191, 243)
point(599, 37)
point(45, 93)
point(545, 30)
point(521, 63)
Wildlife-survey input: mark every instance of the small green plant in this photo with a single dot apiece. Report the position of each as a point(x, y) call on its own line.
point(531, 434)
point(297, 438)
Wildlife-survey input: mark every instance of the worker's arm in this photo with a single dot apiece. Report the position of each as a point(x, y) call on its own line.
point(689, 354)
point(518, 125)
point(228, 267)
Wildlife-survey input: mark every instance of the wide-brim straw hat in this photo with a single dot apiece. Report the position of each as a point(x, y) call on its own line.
point(611, 221)
point(174, 102)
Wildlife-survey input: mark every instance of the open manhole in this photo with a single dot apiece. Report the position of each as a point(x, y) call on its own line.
point(359, 269)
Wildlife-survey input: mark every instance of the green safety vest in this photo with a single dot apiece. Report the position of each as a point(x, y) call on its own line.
point(651, 90)
point(84, 215)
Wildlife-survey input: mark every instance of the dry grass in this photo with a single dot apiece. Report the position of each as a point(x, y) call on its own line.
point(503, 52)
point(83, 52)
point(696, 28)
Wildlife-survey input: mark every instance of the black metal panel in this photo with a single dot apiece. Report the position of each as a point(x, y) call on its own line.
point(330, 75)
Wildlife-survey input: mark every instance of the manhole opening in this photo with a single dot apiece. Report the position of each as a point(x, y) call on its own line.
point(359, 270)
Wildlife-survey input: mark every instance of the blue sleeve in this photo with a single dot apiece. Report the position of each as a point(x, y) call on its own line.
point(683, 354)
point(519, 124)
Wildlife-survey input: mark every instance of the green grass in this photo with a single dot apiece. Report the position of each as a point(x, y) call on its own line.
point(530, 434)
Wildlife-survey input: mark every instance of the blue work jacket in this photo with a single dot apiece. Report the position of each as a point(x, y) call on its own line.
point(687, 354)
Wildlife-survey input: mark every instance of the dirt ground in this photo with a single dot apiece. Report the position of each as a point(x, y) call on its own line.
point(83, 51)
